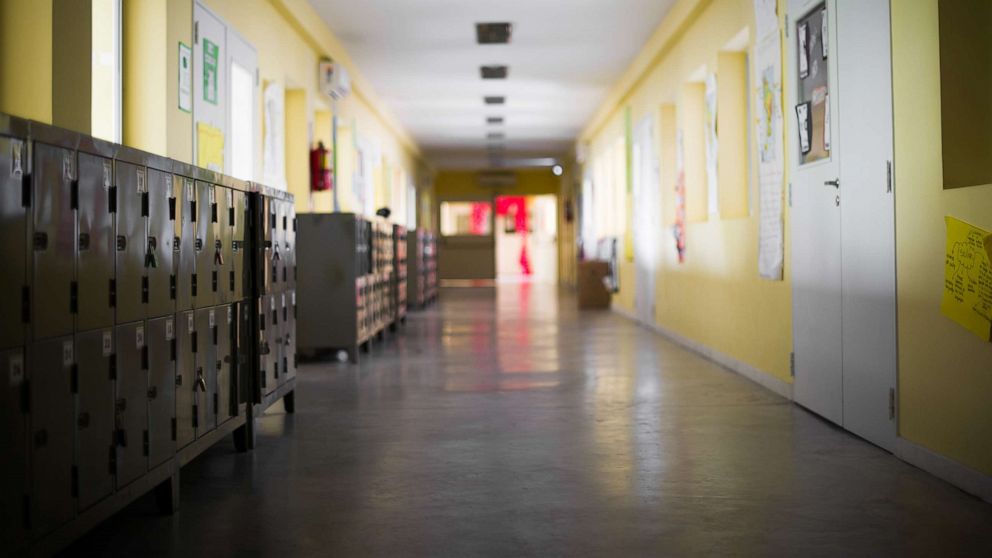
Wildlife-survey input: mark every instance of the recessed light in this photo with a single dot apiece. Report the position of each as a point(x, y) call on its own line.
point(493, 33)
point(494, 99)
point(494, 72)
point(557, 170)
point(494, 120)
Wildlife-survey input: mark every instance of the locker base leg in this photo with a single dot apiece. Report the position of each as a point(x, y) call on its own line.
point(167, 494)
point(289, 402)
point(244, 435)
point(353, 354)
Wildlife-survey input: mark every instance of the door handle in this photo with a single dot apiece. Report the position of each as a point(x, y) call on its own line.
point(835, 183)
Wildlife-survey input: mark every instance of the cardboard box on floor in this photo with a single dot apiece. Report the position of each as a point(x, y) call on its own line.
point(591, 290)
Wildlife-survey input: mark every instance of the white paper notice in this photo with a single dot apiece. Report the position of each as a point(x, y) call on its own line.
point(771, 160)
point(185, 78)
point(274, 140)
point(712, 185)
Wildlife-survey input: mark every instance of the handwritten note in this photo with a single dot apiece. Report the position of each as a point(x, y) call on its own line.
point(968, 278)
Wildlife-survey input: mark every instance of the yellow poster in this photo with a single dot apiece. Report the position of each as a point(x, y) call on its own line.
point(968, 278)
point(209, 147)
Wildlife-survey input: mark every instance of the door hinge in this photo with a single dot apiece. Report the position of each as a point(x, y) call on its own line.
point(792, 364)
point(196, 32)
point(888, 177)
point(892, 404)
point(74, 490)
point(173, 429)
point(790, 194)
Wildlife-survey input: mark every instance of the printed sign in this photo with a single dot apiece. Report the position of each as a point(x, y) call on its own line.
point(211, 54)
point(212, 319)
point(107, 175)
point(189, 323)
point(185, 78)
point(141, 181)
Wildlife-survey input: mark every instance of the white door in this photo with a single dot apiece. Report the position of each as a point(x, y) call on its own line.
point(209, 89)
point(843, 246)
point(243, 118)
point(647, 216)
point(867, 220)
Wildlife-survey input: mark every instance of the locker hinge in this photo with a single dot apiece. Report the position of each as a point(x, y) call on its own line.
point(144, 204)
point(74, 379)
point(892, 404)
point(113, 293)
point(888, 177)
point(792, 364)
point(112, 461)
point(73, 297)
point(26, 396)
point(196, 32)
point(173, 421)
point(145, 443)
point(75, 482)
point(26, 190)
point(112, 199)
point(144, 357)
point(113, 366)
point(74, 194)
point(196, 409)
point(26, 304)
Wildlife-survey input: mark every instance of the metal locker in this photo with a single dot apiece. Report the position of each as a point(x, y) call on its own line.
point(225, 362)
point(186, 341)
point(13, 240)
point(268, 218)
point(243, 338)
point(266, 346)
point(51, 439)
point(206, 371)
point(159, 264)
point(131, 410)
point(278, 245)
point(290, 245)
point(184, 242)
point(238, 245)
point(207, 252)
point(53, 292)
point(289, 335)
point(95, 431)
point(95, 203)
point(223, 260)
point(160, 338)
point(132, 211)
point(13, 437)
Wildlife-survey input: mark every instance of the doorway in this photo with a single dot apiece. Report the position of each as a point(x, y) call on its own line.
point(842, 221)
point(647, 212)
point(526, 239)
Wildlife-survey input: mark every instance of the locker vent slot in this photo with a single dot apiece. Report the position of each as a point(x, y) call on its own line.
point(26, 396)
point(216, 402)
point(144, 357)
point(196, 419)
point(145, 443)
point(74, 379)
point(172, 351)
point(112, 199)
point(173, 424)
point(113, 366)
point(213, 280)
point(193, 341)
point(113, 293)
point(172, 286)
point(112, 462)
point(193, 283)
point(172, 209)
point(192, 210)
point(144, 289)
point(213, 213)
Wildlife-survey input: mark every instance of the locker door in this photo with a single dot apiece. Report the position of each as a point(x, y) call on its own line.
point(265, 346)
point(14, 437)
point(239, 236)
point(131, 416)
point(54, 243)
point(13, 240)
point(268, 249)
point(207, 253)
point(281, 228)
point(161, 340)
point(95, 429)
point(159, 264)
point(276, 354)
point(206, 371)
point(131, 215)
point(225, 236)
point(95, 269)
point(52, 424)
point(290, 245)
point(184, 244)
point(225, 363)
point(289, 335)
point(186, 340)
point(244, 367)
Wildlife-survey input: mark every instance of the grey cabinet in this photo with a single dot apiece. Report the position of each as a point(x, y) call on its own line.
point(207, 250)
point(132, 188)
point(184, 243)
point(159, 263)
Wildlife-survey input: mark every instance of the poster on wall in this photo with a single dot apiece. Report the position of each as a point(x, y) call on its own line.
point(274, 140)
point(712, 186)
point(769, 129)
point(967, 297)
point(805, 127)
point(679, 228)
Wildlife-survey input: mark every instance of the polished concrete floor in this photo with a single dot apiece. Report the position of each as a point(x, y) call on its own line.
point(504, 423)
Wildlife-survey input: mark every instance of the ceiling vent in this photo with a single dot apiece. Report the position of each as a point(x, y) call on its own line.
point(495, 135)
point(494, 72)
point(494, 120)
point(494, 100)
point(493, 33)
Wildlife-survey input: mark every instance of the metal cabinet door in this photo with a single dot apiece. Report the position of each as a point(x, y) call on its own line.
point(225, 362)
point(131, 417)
point(95, 428)
point(53, 290)
point(186, 340)
point(13, 240)
point(205, 244)
point(238, 244)
point(132, 208)
point(13, 437)
point(289, 335)
point(161, 339)
point(225, 237)
point(206, 371)
point(159, 264)
point(95, 268)
point(52, 433)
point(184, 243)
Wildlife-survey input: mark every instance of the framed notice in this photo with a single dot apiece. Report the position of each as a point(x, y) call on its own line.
point(185, 77)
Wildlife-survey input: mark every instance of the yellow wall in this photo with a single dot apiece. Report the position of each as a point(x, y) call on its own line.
point(465, 184)
point(26, 59)
point(945, 373)
point(716, 296)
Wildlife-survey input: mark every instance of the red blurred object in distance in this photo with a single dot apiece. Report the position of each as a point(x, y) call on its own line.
point(517, 206)
point(321, 177)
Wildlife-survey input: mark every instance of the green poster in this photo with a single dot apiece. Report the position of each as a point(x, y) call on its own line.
point(210, 55)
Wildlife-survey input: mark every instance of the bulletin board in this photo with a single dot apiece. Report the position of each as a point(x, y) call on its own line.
point(813, 105)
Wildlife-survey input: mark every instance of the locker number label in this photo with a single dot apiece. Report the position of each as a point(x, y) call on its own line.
point(107, 175)
point(139, 337)
point(170, 330)
point(67, 353)
point(108, 343)
point(16, 167)
point(212, 319)
point(230, 314)
point(292, 297)
point(272, 303)
point(189, 322)
point(16, 370)
point(189, 190)
point(141, 181)
point(67, 167)
point(211, 195)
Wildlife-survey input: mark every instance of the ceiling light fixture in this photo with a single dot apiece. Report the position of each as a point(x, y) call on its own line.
point(557, 170)
point(494, 71)
point(493, 33)
point(495, 135)
point(494, 99)
point(494, 120)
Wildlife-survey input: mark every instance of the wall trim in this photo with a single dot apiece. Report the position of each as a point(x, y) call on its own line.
point(970, 480)
point(757, 376)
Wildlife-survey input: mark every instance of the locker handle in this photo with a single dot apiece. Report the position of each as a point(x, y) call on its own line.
point(200, 382)
point(83, 420)
point(121, 243)
point(153, 392)
point(835, 183)
point(84, 241)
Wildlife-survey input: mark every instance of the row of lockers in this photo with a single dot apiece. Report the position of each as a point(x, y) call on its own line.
point(422, 278)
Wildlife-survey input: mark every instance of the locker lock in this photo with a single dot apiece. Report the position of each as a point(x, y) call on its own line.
point(199, 244)
point(121, 243)
point(151, 260)
point(200, 382)
point(153, 392)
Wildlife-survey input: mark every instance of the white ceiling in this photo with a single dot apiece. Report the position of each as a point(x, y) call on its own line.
point(422, 58)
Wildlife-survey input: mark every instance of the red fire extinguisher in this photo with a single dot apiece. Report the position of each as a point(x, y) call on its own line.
point(321, 177)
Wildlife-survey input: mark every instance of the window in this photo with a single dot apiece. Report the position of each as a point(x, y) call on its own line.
point(469, 218)
point(242, 122)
